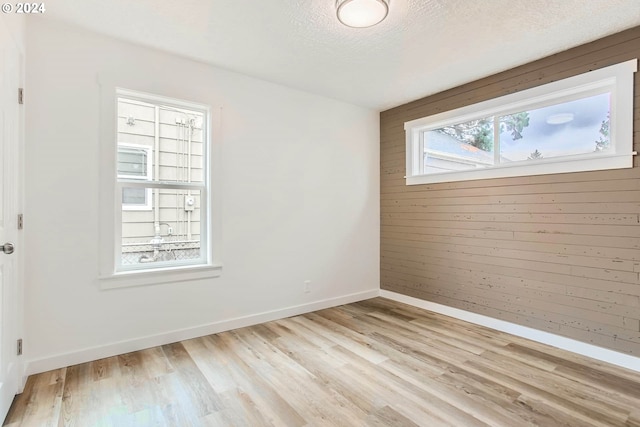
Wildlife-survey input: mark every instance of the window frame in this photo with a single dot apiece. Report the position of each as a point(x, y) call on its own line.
point(110, 197)
point(147, 206)
point(201, 187)
point(615, 79)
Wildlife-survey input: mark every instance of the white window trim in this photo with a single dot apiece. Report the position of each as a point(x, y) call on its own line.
point(109, 207)
point(618, 79)
point(148, 200)
point(448, 156)
point(137, 183)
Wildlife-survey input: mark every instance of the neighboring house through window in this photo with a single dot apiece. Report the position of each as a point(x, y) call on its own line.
point(134, 162)
point(162, 183)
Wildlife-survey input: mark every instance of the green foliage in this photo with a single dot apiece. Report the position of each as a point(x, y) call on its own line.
point(515, 123)
point(479, 133)
point(603, 141)
point(483, 138)
point(535, 155)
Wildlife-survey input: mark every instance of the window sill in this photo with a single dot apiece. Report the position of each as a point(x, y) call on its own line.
point(160, 276)
point(543, 167)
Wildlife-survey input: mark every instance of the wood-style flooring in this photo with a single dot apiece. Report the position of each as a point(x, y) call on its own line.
point(372, 363)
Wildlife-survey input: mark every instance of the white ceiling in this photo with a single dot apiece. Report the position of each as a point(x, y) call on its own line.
point(423, 47)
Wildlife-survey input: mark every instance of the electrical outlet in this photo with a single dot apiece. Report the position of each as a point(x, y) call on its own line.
point(307, 286)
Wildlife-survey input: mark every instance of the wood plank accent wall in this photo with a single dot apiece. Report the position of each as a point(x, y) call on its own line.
point(559, 253)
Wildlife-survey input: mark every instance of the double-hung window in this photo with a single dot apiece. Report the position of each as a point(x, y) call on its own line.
point(577, 124)
point(162, 183)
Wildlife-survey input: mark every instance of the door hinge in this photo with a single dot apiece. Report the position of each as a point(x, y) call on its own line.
point(20, 222)
point(20, 347)
point(20, 95)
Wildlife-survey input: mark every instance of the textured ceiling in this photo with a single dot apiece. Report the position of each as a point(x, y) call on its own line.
point(423, 47)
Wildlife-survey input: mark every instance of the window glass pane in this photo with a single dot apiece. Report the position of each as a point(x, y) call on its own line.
point(570, 125)
point(570, 128)
point(132, 162)
point(462, 146)
point(175, 237)
point(165, 144)
point(134, 196)
point(181, 145)
point(179, 141)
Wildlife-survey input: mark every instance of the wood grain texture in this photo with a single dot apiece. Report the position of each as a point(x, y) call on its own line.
point(558, 253)
point(372, 363)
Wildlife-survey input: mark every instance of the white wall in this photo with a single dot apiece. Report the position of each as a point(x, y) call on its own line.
point(300, 201)
point(15, 23)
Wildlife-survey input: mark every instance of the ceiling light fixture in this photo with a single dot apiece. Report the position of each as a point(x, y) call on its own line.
point(362, 13)
point(560, 119)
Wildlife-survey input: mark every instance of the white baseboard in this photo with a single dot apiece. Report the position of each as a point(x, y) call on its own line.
point(579, 347)
point(99, 352)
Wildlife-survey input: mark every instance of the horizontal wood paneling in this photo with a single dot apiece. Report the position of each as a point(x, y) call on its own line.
point(560, 253)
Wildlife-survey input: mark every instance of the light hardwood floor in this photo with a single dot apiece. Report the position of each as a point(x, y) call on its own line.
point(374, 363)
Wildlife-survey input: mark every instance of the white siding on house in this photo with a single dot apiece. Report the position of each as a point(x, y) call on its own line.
point(180, 148)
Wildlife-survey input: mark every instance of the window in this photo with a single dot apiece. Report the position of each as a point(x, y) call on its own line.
point(162, 184)
point(576, 124)
point(134, 162)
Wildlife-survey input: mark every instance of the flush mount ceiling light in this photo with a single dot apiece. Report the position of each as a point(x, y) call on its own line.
point(362, 13)
point(560, 119)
